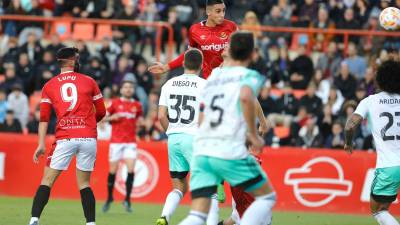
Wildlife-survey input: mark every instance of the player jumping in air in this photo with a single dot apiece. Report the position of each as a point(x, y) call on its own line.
point(382, 111)
point(219, 148)
point(124, 113)
point(79, 105)
point(179, 113)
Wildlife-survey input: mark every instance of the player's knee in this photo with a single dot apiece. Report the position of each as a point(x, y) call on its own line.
point(48, 180)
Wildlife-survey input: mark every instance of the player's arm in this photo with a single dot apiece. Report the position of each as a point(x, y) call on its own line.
point(45, 112)
point(98, 102)
point(351, 125)
point(264, 125)
point(163, 116)
point(247, 103)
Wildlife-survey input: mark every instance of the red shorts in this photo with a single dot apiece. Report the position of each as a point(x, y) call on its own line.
point(242, 199)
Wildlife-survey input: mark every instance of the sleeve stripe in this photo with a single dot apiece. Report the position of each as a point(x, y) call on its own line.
point(97, 97)
point(45, 100)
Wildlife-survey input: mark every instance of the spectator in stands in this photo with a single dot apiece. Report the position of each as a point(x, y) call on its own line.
point(346, 82)
point(335, 10)
point(64, 6)
point(301, 69)
point(123, 68)
point(55, 44)
point(286, 109)
point(360, 93)
point(252, 24)
point(323, 86)
point(187, 11)
point(33, 124)
point(309, 135)
point(143, 76)
point(308, 11)
point(11, 55)
point(28, 27)
point(127, 51)
point(279, 69)
point(25, 72)
point(357, 64)
point(368, 82)
point(98, 72)
point(336, 139)
point(348, 22)
point(326, 122)
point(128, 12)
point(33, 48)
point(10, 124)
point(311, 101)
point(12, 28)
point(371, 43)
point(286, 9)
point(84, 53)
point(258, 62)
point(335, 100)
point(238, 9)
point(329, 63)
point(10, 78)
point(48, 63)
point(3, 105)
point(362, 11)
point(320, 41)
point(261, 7)
point(100, 8)
point(150, 14)
point(41, 79)
point(108, 51)
point(275, 19)
point(268, 104)
point(18, 103)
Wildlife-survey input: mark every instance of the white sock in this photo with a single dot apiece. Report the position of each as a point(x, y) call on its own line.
point(260, 211)
point(213, 213)
point(171, 203)
point(33, 219)
point(91, 223)
point(194, 218)
point(384, 218)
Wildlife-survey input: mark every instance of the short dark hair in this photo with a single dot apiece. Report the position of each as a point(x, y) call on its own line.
point(388, 76)
point(214, 2)
point(193, 59)
point(67, 53)
point(241, 46)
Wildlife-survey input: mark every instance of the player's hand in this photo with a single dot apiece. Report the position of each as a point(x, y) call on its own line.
point(256, 143)
point(38, 153)
point(264, 128)
point(158, 68)
point(348, 148)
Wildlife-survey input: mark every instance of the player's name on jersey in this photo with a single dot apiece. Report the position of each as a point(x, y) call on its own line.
point(389, 101)
point(181, 83)
point(64, 78)
point(222, 81)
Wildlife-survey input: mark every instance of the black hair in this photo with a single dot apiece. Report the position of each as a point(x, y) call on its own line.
point(241, 45)
point(67, 53)
point(388, 76)
point(214, 2)
point(193, 59)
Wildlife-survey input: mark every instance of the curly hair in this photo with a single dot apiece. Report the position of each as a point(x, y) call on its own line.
point(388, 77)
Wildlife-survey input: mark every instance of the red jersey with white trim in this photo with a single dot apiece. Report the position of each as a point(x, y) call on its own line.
point(124, 129)
point(72, 96)
point(211, 41)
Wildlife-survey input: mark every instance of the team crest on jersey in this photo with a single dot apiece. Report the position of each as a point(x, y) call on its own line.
point(223, 36)
point(133, 109)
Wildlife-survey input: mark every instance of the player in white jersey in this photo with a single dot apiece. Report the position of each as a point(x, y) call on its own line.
point(383, 111)
point(179, 113)
point(220, 152)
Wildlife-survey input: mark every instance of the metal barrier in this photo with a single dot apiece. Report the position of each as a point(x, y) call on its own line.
point(158, 25)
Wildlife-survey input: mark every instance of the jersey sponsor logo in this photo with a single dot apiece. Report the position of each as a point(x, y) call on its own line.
point(214, 47)
point(2, 165)
point(203, 37)
point(318, 182)
point(146, 175)
point(72, 123)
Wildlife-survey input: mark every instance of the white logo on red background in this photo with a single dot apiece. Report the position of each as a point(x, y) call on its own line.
point(2, 165)
point(318, 182)
point(146, 175)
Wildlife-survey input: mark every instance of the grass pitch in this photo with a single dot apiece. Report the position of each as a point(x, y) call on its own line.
point(66, 212)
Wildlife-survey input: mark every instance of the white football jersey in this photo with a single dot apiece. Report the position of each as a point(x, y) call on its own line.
point(222, 133)
point(181, 96)
point(383, 112)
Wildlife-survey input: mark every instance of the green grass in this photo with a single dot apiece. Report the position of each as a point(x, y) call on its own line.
point(15, 211)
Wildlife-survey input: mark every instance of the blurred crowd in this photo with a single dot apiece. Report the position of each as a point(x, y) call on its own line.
point(315, 81)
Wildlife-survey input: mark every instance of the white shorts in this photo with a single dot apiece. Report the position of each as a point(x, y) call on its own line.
point(120, 151)
point(64, 150)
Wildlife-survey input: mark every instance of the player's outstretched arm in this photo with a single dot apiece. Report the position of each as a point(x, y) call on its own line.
point(163, 117)
point(159, 68)
point(249, 112)
point(351, 125)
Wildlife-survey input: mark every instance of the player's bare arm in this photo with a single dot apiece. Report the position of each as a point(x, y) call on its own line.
point(158, 68)
point(248, 105)
point(351, 125)
point(163, 117)
point(264, 124)
point(41, 148)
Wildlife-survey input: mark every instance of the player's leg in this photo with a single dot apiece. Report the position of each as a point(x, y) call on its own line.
point(248, 175)
point(115, 154)
point(58, 160)
point(213, 213)
point(179, 156)
point(203, 183)
point(85, 160)
point(383, 192)
point(129, 155)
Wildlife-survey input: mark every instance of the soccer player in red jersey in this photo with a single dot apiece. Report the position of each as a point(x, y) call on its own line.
point(124, 115)
point(79, 105)
point(210, 36)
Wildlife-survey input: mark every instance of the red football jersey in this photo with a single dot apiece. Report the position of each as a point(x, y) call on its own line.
point(124, 129)
point(72, 96)
point(211, 41)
